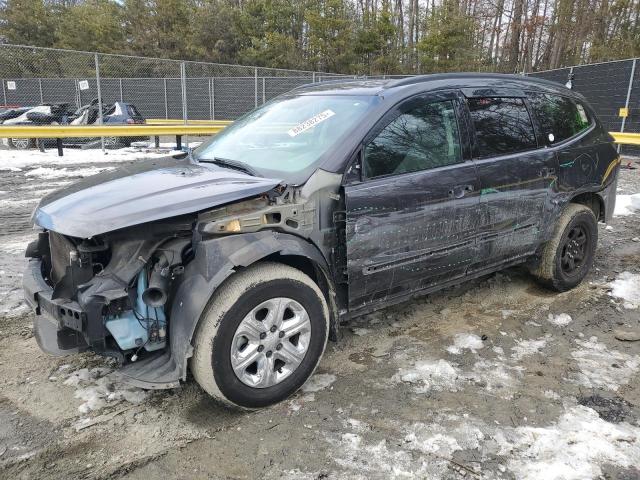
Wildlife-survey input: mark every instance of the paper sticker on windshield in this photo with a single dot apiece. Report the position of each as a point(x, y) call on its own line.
point(312, 122)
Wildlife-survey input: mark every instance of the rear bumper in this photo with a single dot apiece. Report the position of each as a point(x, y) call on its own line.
point(58, 324)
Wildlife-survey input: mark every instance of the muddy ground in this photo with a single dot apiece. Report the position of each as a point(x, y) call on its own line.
point(497, 378)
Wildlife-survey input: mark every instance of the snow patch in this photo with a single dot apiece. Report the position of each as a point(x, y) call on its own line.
point(627, 288)
point(97, 389)
point(318, 382)
point(626, 205)
point(600, 367)
point(572, 449)
point(430, 376)
point(16, 246)
point(45, 172)
point(525, 348)
point(467, 341)
point(360, 331)
point(16, 160)
point(560, 320)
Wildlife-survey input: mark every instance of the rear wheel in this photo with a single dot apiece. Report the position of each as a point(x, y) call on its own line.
point(261, 336)
point(568, 256)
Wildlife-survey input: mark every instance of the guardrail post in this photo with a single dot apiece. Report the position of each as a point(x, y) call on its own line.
point(626, 103)
point(100, 117)
point(59, 145)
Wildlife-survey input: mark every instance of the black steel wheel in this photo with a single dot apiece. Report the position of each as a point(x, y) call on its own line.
point(567, 257)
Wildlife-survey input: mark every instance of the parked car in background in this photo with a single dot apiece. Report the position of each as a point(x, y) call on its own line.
point(118, 113)
point(327, 203)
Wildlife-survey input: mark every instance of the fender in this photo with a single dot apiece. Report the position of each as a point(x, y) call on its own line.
point(215, 260)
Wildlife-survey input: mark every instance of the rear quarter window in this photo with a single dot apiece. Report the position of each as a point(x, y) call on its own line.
point(502, 126)
point(560, 118)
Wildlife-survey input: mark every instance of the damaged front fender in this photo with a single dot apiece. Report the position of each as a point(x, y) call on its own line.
point(214, 261)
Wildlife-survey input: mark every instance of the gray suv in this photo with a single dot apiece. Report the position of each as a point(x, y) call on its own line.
point(334, 200)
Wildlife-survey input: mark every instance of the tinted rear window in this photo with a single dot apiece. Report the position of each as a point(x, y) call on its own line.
point(560, 118)
point(502, 126)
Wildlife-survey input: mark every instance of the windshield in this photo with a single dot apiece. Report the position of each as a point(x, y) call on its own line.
point(287, 135)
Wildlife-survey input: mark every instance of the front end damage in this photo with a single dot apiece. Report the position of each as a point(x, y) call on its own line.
point(108, 294)
point(136, 294)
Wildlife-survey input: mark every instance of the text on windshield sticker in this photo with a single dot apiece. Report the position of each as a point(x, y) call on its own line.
point(312, 122)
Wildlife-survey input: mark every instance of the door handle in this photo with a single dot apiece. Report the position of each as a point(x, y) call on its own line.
point(459, 191)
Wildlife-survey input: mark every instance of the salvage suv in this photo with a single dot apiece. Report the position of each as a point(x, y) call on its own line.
point(241, 259)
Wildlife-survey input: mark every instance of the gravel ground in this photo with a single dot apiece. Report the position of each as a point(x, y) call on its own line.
point(497, 378)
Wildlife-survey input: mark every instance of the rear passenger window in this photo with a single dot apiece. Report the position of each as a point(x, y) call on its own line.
point(560, 118)
point(424, 136)
point(502, 126)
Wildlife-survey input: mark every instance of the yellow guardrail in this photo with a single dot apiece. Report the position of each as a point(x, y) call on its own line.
point(625, 138)
point(169, 127)
point(172, 121)
point(88, 131)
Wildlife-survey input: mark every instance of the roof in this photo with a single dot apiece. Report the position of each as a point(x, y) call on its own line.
point(437, 81)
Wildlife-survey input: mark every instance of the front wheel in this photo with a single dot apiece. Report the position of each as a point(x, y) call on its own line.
point(568, 256)
point(261, 337)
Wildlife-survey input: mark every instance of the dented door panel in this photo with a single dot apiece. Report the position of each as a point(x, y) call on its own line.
point(408, 232)
point(514, 198)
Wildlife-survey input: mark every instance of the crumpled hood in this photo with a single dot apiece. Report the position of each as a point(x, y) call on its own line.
point(143, 192)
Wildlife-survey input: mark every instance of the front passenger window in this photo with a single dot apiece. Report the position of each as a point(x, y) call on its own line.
point(422, 137)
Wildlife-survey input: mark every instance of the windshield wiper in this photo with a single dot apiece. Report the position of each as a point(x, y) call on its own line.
point(234, 164)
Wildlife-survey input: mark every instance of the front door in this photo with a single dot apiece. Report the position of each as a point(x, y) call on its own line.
point(411, 220)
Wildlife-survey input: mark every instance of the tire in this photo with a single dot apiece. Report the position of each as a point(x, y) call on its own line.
point(565, 249)
point(219, 338)
point(21, 143)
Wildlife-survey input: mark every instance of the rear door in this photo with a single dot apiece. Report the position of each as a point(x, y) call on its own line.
point(515, 177)
point(411, 220)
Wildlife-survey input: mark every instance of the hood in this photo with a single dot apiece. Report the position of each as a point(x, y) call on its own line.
point(143, 192)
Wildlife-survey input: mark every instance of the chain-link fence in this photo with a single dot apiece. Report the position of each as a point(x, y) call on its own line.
point(158, 88)
point(186, 90)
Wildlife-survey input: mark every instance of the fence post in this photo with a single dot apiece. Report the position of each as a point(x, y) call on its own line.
point(264, 95)
point(210, 100)
point(166, 103)
point(626, 103)
point(40, 88)
point(100, 119)
point(183, 81)
point(313, 77)
point(121, 96)
point(4, 91)
point(213, 98)
point(256, 85)
point(78, 99)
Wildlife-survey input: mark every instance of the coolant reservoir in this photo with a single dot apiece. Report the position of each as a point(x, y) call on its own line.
point(131, 331)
